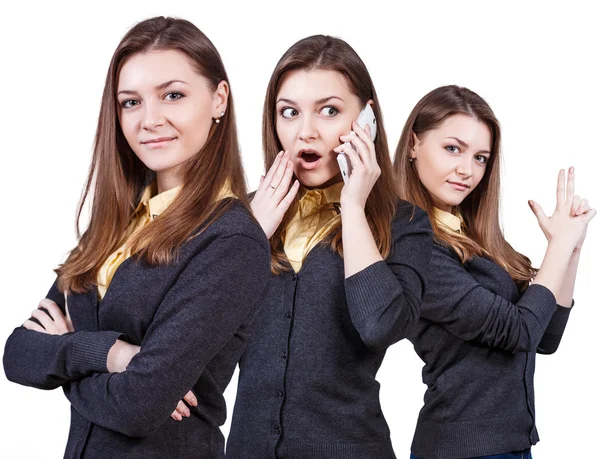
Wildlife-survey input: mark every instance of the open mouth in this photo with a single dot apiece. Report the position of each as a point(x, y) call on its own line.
point(310, 157)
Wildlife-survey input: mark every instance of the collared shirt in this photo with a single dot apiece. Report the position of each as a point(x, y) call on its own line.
point(312, 221)
point(151, 206)
point(451, 221)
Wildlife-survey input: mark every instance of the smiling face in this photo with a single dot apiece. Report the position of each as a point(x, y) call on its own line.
point(314, 108)
point(166, 109)
point(451, 159)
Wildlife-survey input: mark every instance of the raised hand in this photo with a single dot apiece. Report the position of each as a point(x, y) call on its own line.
point(274, 195)
point(568, 223)
point(365, 170)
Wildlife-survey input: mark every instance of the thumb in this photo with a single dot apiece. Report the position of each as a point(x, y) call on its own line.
point(537, 210)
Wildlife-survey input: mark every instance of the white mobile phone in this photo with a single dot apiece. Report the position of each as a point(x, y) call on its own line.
point(366, 116)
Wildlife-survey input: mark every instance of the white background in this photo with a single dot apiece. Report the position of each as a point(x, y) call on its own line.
point(535, 63)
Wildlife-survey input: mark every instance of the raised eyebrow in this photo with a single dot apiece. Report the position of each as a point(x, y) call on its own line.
point(318, 102)
point(466, 145)
point(164, 85)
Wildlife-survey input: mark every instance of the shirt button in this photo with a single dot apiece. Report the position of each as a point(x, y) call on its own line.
point(284, 355)
point(289, 315)
point(278, 431)
point(280, 394)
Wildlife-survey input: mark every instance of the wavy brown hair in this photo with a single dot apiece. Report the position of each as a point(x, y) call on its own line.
point(480, 209)
point(321, 52)
point(117, 177)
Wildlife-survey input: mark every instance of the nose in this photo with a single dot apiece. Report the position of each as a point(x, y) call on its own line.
point(464, 167)
point(308, 129)
point(153, 116)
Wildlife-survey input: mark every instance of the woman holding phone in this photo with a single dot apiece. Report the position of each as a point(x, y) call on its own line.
point(348, 261)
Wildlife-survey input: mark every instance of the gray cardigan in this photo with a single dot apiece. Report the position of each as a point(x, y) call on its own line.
point(307, 386)
point(478, 337)
point(190, 319)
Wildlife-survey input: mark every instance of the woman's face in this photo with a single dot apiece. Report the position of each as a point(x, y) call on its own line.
point(451, 159)
point(166, 109)
point(314, 108)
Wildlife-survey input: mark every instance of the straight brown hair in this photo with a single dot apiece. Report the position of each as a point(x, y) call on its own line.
point(480, 209)
point(118, 177)
point(322, 52)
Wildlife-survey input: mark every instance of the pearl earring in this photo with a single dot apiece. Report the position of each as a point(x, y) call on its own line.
point(217, 120)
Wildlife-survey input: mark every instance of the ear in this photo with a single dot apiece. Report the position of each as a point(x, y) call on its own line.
point(416, 144)
point(220, 97)
point(370, 102)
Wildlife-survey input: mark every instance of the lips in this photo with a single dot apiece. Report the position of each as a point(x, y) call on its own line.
point(308, 158)
point(157, 142)
point(459, 186)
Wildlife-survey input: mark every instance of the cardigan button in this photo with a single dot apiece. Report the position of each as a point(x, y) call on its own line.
point(294, 277)
point(278, 431)
point(289, 315)
point(284, 355)
point(280, 393)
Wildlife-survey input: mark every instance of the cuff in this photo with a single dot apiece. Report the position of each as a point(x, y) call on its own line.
point(90, 350)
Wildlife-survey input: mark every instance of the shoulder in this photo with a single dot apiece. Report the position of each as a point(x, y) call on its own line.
point(410, 218)
point(235, 221)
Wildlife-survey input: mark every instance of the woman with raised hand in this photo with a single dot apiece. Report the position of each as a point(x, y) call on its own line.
point(487, 311)
point(157, 295)
point(349, 264)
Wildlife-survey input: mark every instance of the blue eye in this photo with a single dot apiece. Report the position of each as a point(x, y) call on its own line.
point(130, 103)
point(453, 149)
point(289, 112)
point(329, 111)
point(173, 96)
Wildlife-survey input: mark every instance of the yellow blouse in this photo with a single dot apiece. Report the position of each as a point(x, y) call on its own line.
point(451, 221)
point(311, 222)
point(150, 207)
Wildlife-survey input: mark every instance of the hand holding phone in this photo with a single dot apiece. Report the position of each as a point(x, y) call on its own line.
point(366, 116)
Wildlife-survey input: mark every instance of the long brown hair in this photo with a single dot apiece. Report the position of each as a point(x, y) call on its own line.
point(118, 177)
point(480, 209)
point(321, 52)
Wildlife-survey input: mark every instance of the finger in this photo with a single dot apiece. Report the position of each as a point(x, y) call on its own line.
point(570, 186)
point(284, 185)
point(589, 215)
point(286, 202)
point(31, 325)
point(191, 399)
point(70, 326)
point(359, 146)
point(355, 160)
point(365, 136)
point(576, 202)
point(176, 415)
point(272, 170)
point(584, 206)
point(537, 211)
point(44, 319)
point(183, 409)
point(279, 173)
point(560, 189)
point(53, 309)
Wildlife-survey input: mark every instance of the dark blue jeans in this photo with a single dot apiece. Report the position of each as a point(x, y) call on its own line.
point(525, 454)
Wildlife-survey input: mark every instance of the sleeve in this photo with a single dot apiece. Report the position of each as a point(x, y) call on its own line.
point(457, 302)
point(47, 361)
point(214, 295)
point(554, 330)
point(384, 299)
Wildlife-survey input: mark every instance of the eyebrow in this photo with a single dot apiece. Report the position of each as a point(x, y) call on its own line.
point(318, 102)
point(164, 85)
point(466, 145)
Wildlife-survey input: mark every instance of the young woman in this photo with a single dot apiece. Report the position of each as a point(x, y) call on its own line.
point(486, 311)
point(348, 262)
point(163, 263)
